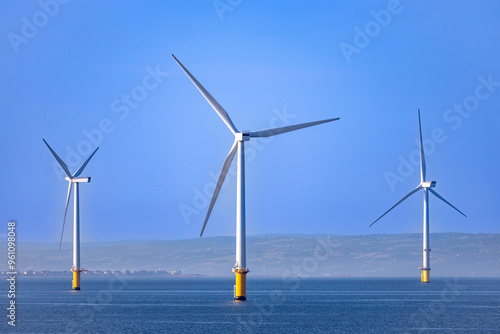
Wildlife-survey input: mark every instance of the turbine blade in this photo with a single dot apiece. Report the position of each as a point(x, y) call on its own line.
point(59, 160)
point(422, 155)
point(411, 193)
point(284, 129)
point(65, 212)
point(441, 198)
point(223, 173)
point(217, 107)
point(82, 167)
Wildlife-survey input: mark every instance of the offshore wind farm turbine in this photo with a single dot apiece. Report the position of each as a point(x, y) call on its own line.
point(76, 180)
point(240, 269)
point(427, 187)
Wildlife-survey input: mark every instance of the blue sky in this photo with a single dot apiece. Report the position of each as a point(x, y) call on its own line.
point(87, 74)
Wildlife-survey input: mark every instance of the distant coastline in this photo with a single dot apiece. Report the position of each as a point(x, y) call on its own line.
point(277, 255)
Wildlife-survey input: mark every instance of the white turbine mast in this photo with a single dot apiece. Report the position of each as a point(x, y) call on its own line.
point(427, 187)
point(240, 268)
point(73, 179)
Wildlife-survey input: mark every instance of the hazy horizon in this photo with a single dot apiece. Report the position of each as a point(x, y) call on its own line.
point(248, 236)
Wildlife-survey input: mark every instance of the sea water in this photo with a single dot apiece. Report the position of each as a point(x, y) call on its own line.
point(127, 304)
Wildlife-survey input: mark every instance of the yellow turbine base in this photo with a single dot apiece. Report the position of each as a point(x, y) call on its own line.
point(425, 276)
point(240, 289)
point(76, 279)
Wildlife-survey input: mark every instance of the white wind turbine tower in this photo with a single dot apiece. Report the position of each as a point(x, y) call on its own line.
point(240, 269)
point(427, 186)
point(73, 179)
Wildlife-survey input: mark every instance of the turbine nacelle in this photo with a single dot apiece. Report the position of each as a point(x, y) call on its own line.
point(428, 184)
point(242, 136)
point(78, 179)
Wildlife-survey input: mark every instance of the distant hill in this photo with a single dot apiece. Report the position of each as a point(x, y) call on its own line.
point(453, 254)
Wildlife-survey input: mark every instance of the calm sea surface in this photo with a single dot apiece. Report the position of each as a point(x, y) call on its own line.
point(298, 305)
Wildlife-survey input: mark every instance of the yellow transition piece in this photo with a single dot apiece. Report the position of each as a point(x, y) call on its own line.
point(76, 279)
point(240, 291)
point(425, 276)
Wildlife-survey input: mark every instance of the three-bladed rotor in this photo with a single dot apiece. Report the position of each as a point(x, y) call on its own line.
point(239, 136)
point(427, 185)
point(71, 178)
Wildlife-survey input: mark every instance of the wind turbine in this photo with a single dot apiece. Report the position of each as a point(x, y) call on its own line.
point(427, 186)
point(73, 179)
point(240, 268)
